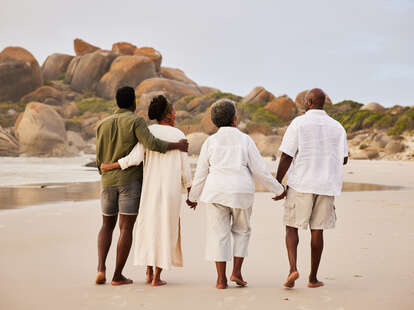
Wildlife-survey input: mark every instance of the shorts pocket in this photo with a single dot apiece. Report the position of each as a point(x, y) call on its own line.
point(289, 216)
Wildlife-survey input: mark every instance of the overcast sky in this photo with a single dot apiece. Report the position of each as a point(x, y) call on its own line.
point(356, 49)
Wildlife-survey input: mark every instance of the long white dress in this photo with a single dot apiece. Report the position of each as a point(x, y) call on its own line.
point(157, 233)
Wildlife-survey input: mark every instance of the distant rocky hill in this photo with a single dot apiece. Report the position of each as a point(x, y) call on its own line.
point(53, 109)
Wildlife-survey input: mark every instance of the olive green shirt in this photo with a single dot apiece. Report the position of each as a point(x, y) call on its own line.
point(116, 136)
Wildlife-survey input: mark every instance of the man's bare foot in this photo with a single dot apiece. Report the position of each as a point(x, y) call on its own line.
point(238, 280)
point(100, 278)
point(158, 282)
point(121, 281)
point(149, 278)
point(221, 284)
point(290, 282)
point(315, 284)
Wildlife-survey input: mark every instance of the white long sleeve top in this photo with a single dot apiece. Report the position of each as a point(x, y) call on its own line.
point(227, 164)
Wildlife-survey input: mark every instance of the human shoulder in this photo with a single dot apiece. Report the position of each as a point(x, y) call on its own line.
point(335, 123)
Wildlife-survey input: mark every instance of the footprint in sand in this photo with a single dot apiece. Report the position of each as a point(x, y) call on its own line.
point(357, 276)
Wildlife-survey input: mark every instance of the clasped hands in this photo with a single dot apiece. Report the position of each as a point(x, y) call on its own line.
point(281, 196)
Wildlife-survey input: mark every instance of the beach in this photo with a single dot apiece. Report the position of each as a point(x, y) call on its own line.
point(48, 254)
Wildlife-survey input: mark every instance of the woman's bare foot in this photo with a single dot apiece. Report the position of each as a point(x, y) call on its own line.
point(315, 284)
point(238, 279)
point(100, 278)
point(149, 275)
point(121, 281)
point(290, 282)
point(158, 282)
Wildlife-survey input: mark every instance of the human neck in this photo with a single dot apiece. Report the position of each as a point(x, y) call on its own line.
point(166, 123)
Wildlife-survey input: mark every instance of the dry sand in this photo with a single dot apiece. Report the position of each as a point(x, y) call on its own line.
point(48, 256)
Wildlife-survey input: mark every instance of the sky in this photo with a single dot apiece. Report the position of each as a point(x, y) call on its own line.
point(357, 49)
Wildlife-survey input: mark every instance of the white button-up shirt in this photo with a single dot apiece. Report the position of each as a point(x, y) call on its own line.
point(318, 146)
point(228, 161)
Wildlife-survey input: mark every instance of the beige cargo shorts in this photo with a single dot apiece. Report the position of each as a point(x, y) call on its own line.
point(304, 209)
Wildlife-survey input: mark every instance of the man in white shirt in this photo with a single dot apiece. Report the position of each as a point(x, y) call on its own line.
point(224, 183)
point(314, 147)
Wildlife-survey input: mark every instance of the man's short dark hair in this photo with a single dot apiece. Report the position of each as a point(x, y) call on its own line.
point(125, 97)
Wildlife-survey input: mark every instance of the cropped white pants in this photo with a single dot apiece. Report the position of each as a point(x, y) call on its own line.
point(223, 223)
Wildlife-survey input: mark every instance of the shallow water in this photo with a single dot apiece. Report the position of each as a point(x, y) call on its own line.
point(22, 196)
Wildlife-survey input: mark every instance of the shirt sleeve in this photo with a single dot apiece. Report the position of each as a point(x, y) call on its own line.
point(290, 142)
point(186, 176)
point(147, 139)
point(259, 169)
point(201, 173)
point(134, 158)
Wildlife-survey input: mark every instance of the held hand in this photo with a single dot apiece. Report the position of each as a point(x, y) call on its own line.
point(183, 145)
point(105, 167)
point(280, 197)
point(191, 204)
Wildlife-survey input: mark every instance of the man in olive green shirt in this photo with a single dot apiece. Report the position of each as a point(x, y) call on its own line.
point(116, 136)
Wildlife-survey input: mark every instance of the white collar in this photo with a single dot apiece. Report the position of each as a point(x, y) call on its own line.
point(316, 112)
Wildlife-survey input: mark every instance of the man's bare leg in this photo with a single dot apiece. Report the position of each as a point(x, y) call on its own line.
point(157, 278)
point(221, 275)
point(236, 276)
point(104, 243)
point(149, 274)
point(292, 241)
point(317, 248)
point(126, 225)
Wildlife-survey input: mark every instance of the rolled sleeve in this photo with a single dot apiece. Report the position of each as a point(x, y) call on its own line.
point(135, 158)
point(290, 142)
point(146, 138)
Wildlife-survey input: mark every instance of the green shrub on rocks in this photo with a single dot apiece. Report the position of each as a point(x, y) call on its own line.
point(404, 123)
point(257, 113)
point(96, 105)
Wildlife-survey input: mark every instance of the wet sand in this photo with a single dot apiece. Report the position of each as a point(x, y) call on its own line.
point(48, 256)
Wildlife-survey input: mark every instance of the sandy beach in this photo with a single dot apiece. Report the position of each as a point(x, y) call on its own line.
point(48, 256)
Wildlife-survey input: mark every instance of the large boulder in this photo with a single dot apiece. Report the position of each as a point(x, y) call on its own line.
point(207, 89)
point(125, 71)
point(9, 146)
point(41, 131)
point(394, 147)
point(252, 128)
point(55, 66)
point(195, 141)
point(259, 95)
point(146, 98)
point(44, 94)
point(152, 54)
point(19, 73)
point(90, 69)
point(175, 89)
point(373, 106)
point(70, 71)
point(124, 48)
point(283, 107)
point(207, 124)
point(82, 47)
point(300, 101)
point(75, 142)
point(176, 74)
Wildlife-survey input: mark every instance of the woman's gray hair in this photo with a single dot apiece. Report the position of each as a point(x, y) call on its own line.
point(223, 112)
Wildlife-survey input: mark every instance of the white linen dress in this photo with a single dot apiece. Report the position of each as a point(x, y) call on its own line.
point(157, 233)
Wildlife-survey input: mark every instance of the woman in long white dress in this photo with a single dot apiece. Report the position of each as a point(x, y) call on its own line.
point(157, 235)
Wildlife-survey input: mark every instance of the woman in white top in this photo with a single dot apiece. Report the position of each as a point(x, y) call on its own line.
point(157, 235)
point(224, 182)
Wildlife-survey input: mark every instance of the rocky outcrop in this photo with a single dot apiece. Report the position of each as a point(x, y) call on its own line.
point(174, 89)
point(75, 142)
point(283, 107)
point(373, 106)
point(125, 71)
point(176, 74)
point(207, 124)
point(252, 128)
point(146, 98)
point(41, 131)
point(9, 146)
point(71, 69)
point(368, 153)
point(19, 73)
point(89, 70)
point(207, 89)
point(152, 54)
point(124, 48)
point(55, 66)
point(300, 101)
point(44, 94)
point(267, 145)
point(82, 47)
point(259, 95)
point(196, 141)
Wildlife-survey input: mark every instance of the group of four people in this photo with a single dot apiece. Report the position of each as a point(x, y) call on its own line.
point(143, 172)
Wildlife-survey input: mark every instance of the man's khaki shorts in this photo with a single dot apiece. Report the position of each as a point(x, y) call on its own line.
point(303, 209)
